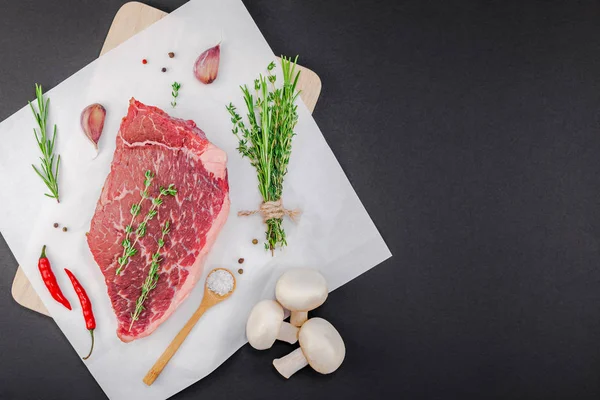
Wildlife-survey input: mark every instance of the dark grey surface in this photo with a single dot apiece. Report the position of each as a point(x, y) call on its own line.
point(471, 134)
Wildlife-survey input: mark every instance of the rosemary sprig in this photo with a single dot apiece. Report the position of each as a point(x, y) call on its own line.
point(49, 169)
point(175, 86)
point(152, 278)
point(267, 140)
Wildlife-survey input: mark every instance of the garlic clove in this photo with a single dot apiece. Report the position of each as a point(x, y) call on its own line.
point(92, 122)
point(206, 66)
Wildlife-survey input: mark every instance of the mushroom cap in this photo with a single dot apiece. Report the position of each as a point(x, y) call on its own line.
point(322, 345)
point(263, 324)
point(301, 289)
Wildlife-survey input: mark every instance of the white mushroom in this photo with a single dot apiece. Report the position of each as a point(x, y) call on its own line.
point(321, 346)
point(301, 290)
point(265, 325)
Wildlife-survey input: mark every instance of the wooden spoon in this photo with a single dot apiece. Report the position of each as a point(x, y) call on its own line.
point(209, 299)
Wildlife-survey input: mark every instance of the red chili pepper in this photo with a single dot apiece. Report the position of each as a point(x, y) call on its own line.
point(86, 306)
point(50, 280)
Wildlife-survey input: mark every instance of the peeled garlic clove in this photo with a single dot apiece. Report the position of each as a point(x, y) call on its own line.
point(92, 122)
point(206, 66)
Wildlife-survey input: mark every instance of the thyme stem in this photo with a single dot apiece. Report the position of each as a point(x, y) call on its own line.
point(129, 249)
point(152, 278)
point(175, 93)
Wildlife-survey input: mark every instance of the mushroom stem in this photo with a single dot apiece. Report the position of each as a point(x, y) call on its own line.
point(288, 333)
point(298, 317)
point(290, 364)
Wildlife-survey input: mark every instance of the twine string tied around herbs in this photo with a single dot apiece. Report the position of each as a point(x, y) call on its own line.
point(272, 210)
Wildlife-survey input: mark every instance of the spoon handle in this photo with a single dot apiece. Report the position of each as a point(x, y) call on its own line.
point(170, 351)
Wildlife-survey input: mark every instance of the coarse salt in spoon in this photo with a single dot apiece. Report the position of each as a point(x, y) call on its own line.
point(220, 284)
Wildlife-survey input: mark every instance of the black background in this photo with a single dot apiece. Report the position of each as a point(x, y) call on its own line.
point(470, 132)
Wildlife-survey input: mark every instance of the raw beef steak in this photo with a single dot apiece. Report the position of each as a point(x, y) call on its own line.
point(177, 152)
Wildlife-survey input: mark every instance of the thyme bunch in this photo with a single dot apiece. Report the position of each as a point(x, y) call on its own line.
point(266, 141)
point(48, 170)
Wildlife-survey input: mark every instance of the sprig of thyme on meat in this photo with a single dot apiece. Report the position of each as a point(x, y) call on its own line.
point(129, 249)
point(152, 278)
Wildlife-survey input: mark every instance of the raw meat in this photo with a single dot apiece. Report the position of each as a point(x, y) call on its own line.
point(177, 152)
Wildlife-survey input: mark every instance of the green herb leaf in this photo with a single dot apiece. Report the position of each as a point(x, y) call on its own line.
point(135, 209)
point(141, 229)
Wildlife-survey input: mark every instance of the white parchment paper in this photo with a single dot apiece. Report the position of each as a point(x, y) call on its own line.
point(334, 234)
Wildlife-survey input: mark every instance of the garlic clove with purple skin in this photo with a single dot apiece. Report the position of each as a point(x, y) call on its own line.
point(92, 122)
point(206, 67)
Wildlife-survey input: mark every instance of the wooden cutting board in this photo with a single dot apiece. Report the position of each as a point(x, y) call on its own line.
point(132, 18)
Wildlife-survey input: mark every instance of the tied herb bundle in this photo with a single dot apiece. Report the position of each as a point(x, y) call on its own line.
point(267, 142)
